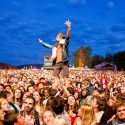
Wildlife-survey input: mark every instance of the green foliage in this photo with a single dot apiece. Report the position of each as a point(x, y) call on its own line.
point(82, 56)
point(96, 59)
point(119, 60)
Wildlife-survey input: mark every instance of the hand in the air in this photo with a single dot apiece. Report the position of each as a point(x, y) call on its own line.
point(68, 23)
point(40, 41)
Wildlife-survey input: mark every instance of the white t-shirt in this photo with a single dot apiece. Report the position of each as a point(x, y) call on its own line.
point(55, 48)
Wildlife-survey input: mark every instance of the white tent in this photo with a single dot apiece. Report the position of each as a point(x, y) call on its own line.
point(86, 68)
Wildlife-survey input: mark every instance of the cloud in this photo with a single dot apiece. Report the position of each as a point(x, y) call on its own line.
point(115, 40)
point(50, 7)
point(77, 2)
point(19, 38)
point(107, 8)
point(110, 5)
point(16, 3)
point(101, 40)
point(118, 28)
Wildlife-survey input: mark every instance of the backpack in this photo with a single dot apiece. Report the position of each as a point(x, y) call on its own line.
point(15, 108)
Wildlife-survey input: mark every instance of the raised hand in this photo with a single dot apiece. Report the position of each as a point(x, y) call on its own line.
point(68, 23)
point(40, 41)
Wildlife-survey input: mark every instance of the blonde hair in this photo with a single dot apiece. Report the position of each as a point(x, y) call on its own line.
point(61, 35)
point(87, 115)
point(1, 100)
point(46, 110)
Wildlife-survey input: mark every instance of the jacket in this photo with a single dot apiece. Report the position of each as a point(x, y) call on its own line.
point(64, 50)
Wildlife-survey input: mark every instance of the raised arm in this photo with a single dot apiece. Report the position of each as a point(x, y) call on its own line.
point(45, 44)
point(68, 24)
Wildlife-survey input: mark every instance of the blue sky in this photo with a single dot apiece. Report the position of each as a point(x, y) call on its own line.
point(99, 24)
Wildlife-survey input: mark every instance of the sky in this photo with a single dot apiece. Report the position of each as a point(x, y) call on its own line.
point(99, 24)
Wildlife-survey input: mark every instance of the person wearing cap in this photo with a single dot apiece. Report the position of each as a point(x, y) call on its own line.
point(8, 87)
point(60, 54)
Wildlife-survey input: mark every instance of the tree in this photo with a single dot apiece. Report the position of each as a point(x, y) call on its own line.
point(96, 59)
point(108, 58)
point(82, 57)
point(119, 60)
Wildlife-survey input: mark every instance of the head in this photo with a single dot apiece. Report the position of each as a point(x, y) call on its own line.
point(123, 89)
point(36, 80)
point(46, 93)
point(60, 36)
point(14, 118)
point(8, 87)
point(18, 94)
point(87, 115)
point(58, 105)
point(99, 103)
point(15, 79)
point(120, 109)
point(71, 100)
point(49, 103)
point(9, 97)
point(48, 117)
point(78, 78)
point(71, 104)
point(30, 89)
point(96, 92)
point(112, 100)
point(71, 90)
point(26, 94)
point(76, 95)
point(19, 120)
point(4, 105)
point(84, 92)
point(53, 92)
point(22, 89)
point(42, 80)
point(36, 96)
point(29, 104)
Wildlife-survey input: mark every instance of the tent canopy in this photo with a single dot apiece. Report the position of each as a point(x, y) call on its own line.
point(86, 68)
point(105, 66)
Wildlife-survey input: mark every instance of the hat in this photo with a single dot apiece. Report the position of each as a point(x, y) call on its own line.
point(7, 84)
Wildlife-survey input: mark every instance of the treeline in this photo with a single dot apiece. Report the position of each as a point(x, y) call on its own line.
point(83, 57)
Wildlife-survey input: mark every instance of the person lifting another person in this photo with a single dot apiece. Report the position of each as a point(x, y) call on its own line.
point(60, 54)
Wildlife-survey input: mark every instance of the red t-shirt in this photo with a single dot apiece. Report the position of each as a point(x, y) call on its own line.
point(73, 118)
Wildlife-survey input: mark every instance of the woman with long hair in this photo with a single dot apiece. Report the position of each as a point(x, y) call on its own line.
point(86, 115)
point(72, 108)
point(18, 97)
point(4, 105)
point(38, 102)
point(99, 105)
point(4, 108)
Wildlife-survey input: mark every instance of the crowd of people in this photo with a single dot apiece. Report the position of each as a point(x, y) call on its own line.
point(28, 97)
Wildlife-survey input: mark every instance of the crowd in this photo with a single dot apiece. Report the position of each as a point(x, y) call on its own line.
point(28, 97)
